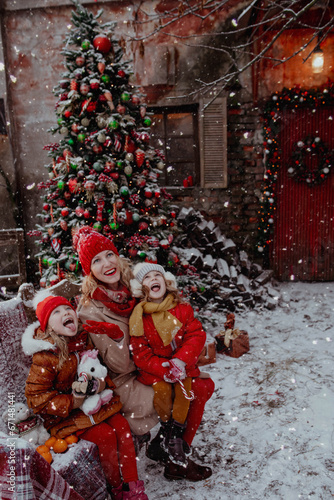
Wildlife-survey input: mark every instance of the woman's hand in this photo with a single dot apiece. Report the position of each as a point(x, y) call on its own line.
point(113, 331)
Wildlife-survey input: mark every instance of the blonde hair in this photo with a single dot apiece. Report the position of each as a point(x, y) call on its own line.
point(90, 283)
point(170, 289)
point(60, 341)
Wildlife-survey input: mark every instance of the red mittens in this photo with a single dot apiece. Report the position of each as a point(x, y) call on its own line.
point(110, 329)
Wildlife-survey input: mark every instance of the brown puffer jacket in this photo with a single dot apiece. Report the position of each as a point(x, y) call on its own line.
point(49, 389)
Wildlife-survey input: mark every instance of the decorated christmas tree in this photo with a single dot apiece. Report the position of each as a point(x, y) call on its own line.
point(102, 171)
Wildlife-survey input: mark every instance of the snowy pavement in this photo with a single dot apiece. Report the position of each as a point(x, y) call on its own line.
point(268, 430)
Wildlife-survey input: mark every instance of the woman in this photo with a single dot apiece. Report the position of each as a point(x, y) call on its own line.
point(105, 307)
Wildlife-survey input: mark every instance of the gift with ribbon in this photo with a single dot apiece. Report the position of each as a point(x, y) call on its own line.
point(232, 341)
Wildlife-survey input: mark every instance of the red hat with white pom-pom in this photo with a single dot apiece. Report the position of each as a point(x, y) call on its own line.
point(88, 243)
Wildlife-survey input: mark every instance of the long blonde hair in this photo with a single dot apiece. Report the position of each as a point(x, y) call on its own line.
point(60, 342)
point(90, 283)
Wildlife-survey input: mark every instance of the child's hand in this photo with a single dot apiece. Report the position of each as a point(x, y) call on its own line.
point(80, 387)
point(176, 370)
point(113, 331)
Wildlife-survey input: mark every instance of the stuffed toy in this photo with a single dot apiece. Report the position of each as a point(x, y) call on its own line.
point(91, 375)
point(21, 423)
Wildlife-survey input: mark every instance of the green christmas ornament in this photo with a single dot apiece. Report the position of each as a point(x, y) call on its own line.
point(51, 261)
point(114, 226)
point(119, 164)
point(45, 261)
point(85, 45)
point(74, 166)
point(105, 78)
point(70, 142)
point(147, 121)
point(113, 125)
point(141, 254)
point(124, 191)
point(60, 184)
point(125, 96)
point(60, 121)
point(81, 137)
point(97, 226)
point(97, 166)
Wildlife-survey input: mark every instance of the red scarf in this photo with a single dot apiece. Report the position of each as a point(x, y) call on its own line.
point(79, 342)
point(122, 309)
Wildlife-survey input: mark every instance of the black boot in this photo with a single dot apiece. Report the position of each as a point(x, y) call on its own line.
point(175, 444)
point(155, 450)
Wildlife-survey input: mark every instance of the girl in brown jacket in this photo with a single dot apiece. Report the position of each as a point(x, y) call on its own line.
point(56, 343)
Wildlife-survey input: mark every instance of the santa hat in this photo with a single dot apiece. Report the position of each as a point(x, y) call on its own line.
point(45, 303)
point(88, 243)
point(140, 271)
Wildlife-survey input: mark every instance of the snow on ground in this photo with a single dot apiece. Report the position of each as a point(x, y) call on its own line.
point(268, 431)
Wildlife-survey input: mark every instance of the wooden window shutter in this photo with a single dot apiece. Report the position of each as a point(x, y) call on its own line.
point(213, 143)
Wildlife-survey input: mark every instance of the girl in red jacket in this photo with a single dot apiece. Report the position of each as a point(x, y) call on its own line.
point(55, 342)
point(166, 341)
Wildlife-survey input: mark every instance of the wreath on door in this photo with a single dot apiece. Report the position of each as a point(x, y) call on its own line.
point(298, 168)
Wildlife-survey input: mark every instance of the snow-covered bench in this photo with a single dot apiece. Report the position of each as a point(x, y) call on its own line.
point(74, 475)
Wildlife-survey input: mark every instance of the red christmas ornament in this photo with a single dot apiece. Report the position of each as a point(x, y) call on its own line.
point(79, 211)
point(140, 157)
point(94, 84)
point(121, 109)
point(135, 99)
point(86, 214)
point(102, 44)
point(67, 195)
point(46, 207)
point(132, 252)
point(142, 226)
point(61, 203)
point(65, 211)
point(63, 224)
point(128, 221)
point(109, 166)
point(121, 73)
point(80, 61)
point(114, 175)
point(148, 193)
point(73, 185)
point(97, 148)
point(75, 128)
point(101, 67)
point(67, 113)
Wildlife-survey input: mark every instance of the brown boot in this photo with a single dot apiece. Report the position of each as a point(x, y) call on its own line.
point(191, 472)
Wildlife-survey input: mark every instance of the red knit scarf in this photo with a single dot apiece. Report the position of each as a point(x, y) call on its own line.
point(122, 309)
point(78, 343)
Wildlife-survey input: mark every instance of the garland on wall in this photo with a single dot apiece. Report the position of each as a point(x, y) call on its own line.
point(292, 98)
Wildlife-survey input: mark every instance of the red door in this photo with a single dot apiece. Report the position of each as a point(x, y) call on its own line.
point(303, 243)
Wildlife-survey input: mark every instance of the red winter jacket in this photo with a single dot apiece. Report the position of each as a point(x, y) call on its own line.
point(149, 352)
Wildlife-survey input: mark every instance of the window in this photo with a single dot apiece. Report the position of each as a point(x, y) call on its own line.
point(175, 132)
point(193, 139)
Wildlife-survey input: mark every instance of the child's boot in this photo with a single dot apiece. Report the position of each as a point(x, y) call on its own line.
point(175, 444)
point(135, 490)
point(157, 448)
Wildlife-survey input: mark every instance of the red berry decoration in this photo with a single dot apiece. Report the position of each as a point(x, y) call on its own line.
point(102, 44)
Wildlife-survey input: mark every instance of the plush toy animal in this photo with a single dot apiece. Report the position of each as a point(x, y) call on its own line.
point(91, 372)
point(21, 423)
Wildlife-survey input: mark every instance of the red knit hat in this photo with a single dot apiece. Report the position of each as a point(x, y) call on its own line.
point(88, 243)
point(46, 306)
